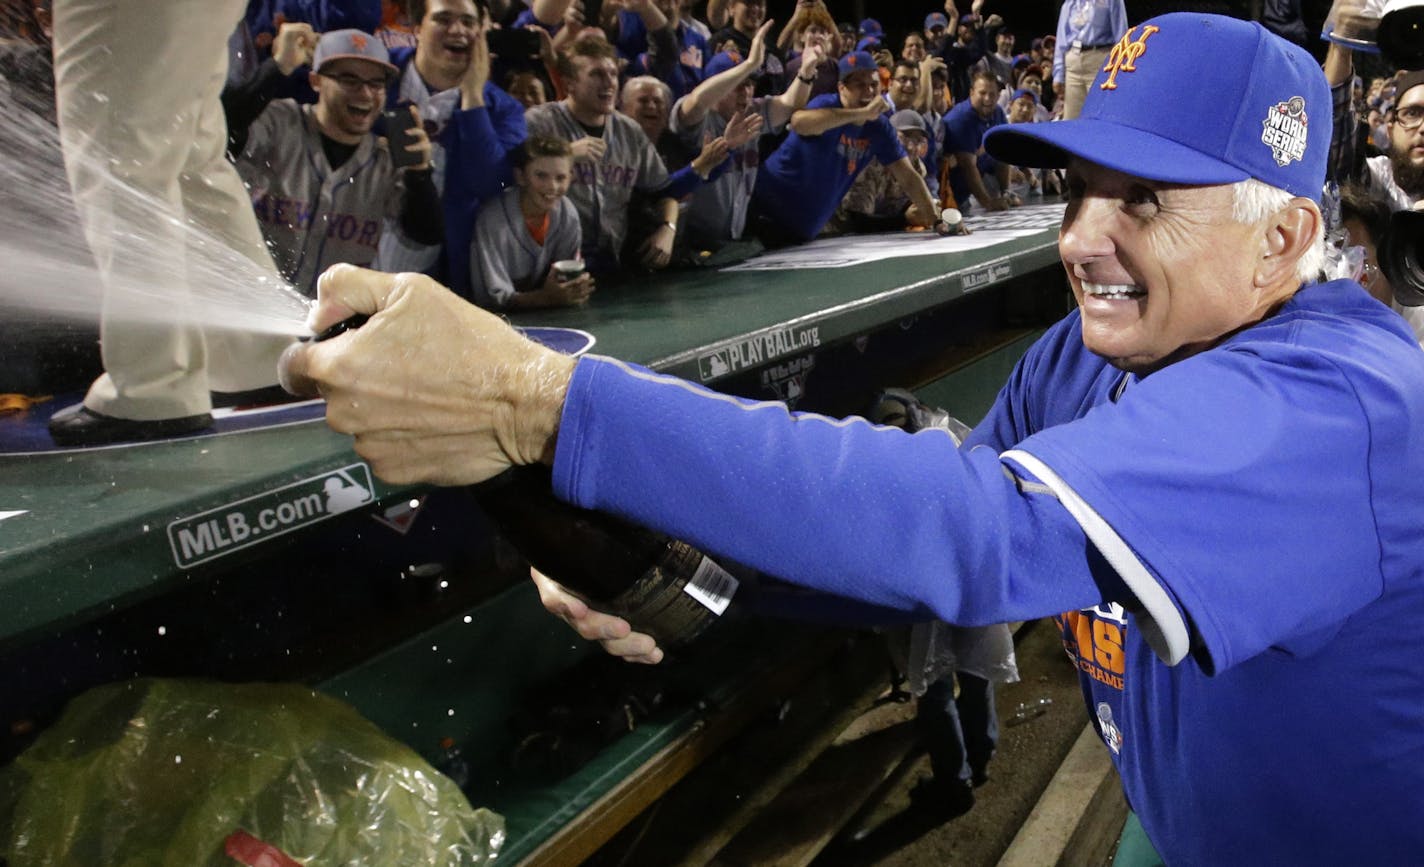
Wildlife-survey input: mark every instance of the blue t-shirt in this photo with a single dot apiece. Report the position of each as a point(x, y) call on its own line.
point(802, 182)
point(1238, 539)
point(964, 132)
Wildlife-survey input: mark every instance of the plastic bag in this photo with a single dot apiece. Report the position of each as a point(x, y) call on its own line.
point(180, 773)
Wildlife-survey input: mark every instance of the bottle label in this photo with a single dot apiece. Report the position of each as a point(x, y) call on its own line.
point(712, 585)
point(678, 598)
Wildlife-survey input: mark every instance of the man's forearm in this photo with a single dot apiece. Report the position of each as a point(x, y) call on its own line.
point(710, 92)
point(653, 17)
point(244, 101)
point(914, 186)
point(1339, 64)
point(972, 176)
point(667, 208)
point(789, 101)
point(814, 121)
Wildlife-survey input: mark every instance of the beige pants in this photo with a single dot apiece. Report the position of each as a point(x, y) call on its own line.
point(137, 84)
point(1080, 67)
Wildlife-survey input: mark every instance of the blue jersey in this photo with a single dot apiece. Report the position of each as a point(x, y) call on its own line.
point(964, 132)
point(1238, 539)
point(802, 182)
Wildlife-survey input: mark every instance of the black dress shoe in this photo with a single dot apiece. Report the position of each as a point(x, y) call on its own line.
point(80, 426)
point(941, 800)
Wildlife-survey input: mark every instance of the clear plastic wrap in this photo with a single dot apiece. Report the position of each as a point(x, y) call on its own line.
point(163, 773)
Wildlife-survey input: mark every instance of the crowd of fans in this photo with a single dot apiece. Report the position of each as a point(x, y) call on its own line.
point(403, 134)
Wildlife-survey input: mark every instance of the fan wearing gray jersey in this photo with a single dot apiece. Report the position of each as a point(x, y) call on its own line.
point(612, 158)
point(723, 105)
point(474, 127)
point(522, 233)
point(321, 183)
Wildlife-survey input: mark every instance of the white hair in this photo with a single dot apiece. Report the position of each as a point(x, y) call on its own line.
point(632, 84)
point(1253, 201)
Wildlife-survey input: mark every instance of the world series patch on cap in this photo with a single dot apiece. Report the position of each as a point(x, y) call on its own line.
point(1191, 98)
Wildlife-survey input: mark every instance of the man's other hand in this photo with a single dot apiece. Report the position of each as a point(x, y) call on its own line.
point(613, 633)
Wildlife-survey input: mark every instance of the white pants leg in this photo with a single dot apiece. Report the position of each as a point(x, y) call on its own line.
point(137, 85)
point(1080, 67)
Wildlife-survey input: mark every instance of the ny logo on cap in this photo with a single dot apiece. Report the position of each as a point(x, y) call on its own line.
point(1124, 55)
point(358, 42)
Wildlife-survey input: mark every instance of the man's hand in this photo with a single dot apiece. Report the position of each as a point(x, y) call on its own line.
point(567, 293)
point(915, 216)
point(419, 142)
point(714, 151)
point(294, 46)
point(811, 59)
point(432, 388)
point(742, 128)
point(472, 86)
point(614, 633)
point(756, 54)
point(656, 251)
point(588, 149)
point(874, 109)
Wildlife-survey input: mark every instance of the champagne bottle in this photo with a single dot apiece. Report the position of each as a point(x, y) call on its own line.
point(660, 585)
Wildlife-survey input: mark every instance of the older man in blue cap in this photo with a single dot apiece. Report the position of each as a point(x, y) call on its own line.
point(1208, 472)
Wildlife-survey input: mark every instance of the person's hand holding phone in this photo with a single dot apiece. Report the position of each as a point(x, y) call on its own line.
point(406, 138)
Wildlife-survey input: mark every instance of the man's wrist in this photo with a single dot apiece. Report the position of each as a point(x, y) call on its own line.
point(806, 80)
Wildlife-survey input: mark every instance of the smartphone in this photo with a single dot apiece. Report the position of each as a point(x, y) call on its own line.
point(513, 43)
point(399, 123)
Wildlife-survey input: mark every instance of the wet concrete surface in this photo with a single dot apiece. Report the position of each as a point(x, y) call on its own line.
point(1029, 753)
point(869, 788)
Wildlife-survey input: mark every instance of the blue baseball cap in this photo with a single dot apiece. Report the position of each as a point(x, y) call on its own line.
point(936, 19)
point(869, 43)
point(1190, 98)
point(871, 27)
point(854, 62)
point(721, 62)
point(1022, 92)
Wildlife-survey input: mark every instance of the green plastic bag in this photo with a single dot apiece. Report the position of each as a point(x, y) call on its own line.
point(178, 773)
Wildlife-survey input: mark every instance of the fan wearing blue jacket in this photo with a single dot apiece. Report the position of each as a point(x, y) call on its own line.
point(474, 125)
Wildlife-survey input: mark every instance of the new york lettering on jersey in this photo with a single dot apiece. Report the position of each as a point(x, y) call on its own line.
point(855, 151)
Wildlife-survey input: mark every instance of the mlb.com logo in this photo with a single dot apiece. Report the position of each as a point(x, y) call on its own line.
point(232, 527)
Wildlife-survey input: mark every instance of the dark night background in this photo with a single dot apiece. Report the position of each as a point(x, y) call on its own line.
point(1030, 18)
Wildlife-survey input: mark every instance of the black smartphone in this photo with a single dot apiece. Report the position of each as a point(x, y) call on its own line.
point(513, 43)
point(399, 123)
